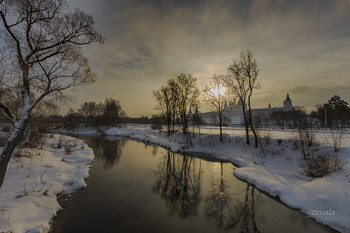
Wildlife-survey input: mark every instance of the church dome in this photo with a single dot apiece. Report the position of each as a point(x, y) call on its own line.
point(288, 99)
point(287, 103)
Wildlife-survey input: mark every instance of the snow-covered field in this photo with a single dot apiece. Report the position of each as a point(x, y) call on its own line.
point(325, 199)
point(28, 196)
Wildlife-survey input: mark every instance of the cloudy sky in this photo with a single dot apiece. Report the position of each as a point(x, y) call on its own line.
point(302, 47)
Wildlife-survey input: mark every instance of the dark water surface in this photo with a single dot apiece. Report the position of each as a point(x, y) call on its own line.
point(138, 188)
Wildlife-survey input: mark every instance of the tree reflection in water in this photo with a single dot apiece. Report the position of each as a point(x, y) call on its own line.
point(108, 149)
point(238, 216)
point(244, 219)
point(178, 183)
point(216, 202)
point(154, 148)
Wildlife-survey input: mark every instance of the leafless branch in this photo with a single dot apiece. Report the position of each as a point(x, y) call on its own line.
point(8, 114)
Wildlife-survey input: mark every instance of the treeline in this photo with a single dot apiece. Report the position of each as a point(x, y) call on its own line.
point(297, 117)
point(335, 114)
point(107, 113)
point(110, 113)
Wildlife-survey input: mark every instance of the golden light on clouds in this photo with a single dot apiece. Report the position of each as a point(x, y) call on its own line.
point(302, 47)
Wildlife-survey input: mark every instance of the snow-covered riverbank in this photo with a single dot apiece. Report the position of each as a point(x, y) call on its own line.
point(28, 196)
point(325, 199)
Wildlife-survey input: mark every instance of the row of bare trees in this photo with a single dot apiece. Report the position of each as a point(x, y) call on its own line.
point(181, 94)
point(40, 43)
point(175, 100)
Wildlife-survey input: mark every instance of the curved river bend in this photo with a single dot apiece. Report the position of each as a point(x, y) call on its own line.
point(134, 187)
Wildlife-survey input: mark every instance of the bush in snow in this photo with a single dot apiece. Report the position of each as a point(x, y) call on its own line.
point(22, 153)
point(322, 163)
point(307, 138)
point(264, 137)
point(22, 193)
point(59, 143)
point(279, 141)
point(294, 140)
point(267, 137)
point(336, 139)
point(68, 149)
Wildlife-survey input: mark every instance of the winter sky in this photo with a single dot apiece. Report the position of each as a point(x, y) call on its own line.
point(302, 47)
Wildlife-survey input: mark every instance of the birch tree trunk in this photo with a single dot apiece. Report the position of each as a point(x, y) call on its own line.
point(10, 146)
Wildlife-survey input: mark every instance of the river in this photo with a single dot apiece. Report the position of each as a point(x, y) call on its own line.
point(134, 187)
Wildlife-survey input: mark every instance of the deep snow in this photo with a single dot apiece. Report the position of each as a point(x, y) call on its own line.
point(28, 196)
point(325, 199)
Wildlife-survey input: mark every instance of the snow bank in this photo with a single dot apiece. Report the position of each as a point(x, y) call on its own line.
point(325, 199)
point(28, 196)
point(85, 131)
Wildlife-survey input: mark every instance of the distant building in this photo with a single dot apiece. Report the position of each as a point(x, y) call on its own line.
point(287, 103)
point(233, 112)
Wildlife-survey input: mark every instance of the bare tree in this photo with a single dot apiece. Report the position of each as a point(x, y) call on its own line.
point(72, 120)
point(215, 96)
point(172, 84)
point(242, 81)
point(249, 70)
point(197, 121)
point(336, 138)
point(45, 42)
point(113, 112)
point(38, 128)
point(164, 104)
point(88, 109)
point(307, 138)
point(4, 76)
point(237, 85)
point(187, 94)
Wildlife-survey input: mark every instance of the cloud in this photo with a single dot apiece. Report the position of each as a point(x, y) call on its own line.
point(301, 47)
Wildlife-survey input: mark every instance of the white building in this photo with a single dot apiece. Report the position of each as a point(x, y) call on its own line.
point(233, 112)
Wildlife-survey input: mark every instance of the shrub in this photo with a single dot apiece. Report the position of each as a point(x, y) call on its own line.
point(68, 149)
point(294, 140)
point(336, 138)
point(307, 138)
point(322, 164)
point(267, 138)
point(279, 141)
point(22, 153)
point(22, 193)
point(59, 143)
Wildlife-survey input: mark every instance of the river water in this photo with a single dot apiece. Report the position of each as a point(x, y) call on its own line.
point(134, 187)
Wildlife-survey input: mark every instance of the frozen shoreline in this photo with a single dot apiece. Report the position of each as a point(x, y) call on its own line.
point(325, 199)
point(34, 182)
